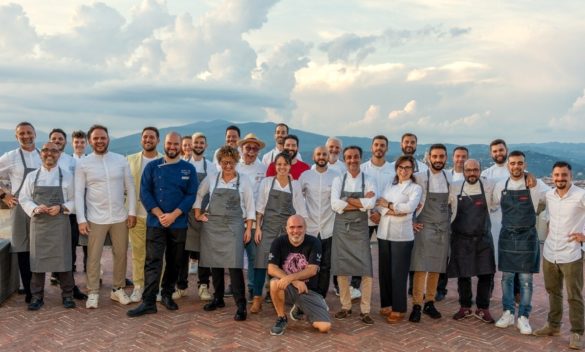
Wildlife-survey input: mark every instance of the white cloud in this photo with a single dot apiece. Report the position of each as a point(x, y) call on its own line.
point(573, 119)
point(17, 36)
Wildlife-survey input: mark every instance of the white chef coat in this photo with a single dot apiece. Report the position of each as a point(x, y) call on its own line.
point(316, 188)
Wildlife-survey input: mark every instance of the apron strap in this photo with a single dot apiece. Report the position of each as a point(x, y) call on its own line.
point(205, 166)
point(363, 184)
point(24, 171)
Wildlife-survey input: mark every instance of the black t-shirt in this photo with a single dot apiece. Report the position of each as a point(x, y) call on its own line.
point(293, 259)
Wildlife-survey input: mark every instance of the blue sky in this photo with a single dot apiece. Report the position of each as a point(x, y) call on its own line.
point(452, 71)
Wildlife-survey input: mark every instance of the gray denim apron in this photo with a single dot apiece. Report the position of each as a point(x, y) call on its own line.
point(222, 236)
point(193, 241)
point(431, 244)
point(278, 209)
point(519, 248)
point(20, 221)
point(350, 249)
point(50, 236)
point(472, 247)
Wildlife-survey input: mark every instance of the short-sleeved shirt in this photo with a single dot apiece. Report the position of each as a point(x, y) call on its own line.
point(293, 259)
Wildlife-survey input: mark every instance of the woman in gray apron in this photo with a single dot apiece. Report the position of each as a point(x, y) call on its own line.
point(50, 243)
point(223, 235)
point(431, 248)
point(396, 238)
point(193, 248)
point(279, 197)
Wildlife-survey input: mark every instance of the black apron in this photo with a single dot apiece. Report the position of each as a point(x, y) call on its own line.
point(193, 240)
point(431, 244)
point(350, 248)
point(519, 247)
point(50, 236)
point(222, 236)
point(20, 221)
point(472, 247)
point(278, 209)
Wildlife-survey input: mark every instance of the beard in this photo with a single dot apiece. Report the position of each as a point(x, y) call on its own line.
point(198, 152)
point(171, 153)
point(291, 153)
point(321, 162)
point(500, 159)
point(408, 150)
point(438, 166)
point(472, 180)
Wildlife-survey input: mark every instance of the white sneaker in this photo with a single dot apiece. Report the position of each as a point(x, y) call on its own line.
point(120, 296)
point(158, 296)
point(507, 319)
point(92, 301)
point(355, 293)
point(204, 294)
point(524, 326)
point(179, 293)
point(136, 295)
point(193, 267)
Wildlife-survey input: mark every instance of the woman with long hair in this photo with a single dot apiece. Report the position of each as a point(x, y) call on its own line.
point(396, 238)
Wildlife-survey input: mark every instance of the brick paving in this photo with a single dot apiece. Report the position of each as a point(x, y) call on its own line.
point(54, 328)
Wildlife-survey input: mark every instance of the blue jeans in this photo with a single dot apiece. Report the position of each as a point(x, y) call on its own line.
point(251, 253)
point(525, 293)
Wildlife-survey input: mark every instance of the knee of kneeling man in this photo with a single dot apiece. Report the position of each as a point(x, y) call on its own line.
point(322, 326)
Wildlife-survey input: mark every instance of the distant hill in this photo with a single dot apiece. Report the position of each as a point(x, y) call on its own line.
point(540, 156)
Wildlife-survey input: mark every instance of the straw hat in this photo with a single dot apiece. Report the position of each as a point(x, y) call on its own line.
point(251, 138)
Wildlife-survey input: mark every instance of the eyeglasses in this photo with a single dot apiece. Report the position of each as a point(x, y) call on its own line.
point(52, 151)
point(227, 163)
point(471, 170)
point(404, 168)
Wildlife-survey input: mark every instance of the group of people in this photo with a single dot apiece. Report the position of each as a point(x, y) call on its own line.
point(295, 224)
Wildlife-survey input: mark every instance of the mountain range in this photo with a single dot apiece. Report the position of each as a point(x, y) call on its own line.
point(540, 156)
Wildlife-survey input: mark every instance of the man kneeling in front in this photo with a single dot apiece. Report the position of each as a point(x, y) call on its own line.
point(293, 264)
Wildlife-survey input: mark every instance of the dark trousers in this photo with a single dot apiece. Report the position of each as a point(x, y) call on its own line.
point(203, 274)
point(393, 267)
point(236, 280)
point(442, 286)
point(37, 284)
point(24, 269)
point(160, 242)
point(75, 242)
point(482, 297)
point(324, 274)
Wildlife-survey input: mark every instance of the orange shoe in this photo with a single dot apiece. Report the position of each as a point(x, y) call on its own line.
point(395, 317)
point(256, 305)
point(386, 311)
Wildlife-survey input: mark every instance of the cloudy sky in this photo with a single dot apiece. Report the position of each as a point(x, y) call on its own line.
point(448, 70)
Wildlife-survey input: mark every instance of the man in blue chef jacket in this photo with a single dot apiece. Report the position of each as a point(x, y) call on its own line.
point(167, 191)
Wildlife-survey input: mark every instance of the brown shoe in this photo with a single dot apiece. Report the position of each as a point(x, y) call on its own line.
point(342, 314)
point(256, 305)
point(366, 319)
point(385, 312)
point(395, 317)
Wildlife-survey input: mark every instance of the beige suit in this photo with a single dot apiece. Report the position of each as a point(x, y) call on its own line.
point(138, 233)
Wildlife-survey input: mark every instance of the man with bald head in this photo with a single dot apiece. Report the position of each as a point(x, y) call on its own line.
point(293, 265)
point(47, 198)
point(167, 191)
point(472, 247)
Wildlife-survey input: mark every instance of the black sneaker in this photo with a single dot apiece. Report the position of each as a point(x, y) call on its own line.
point(250, 295)
point(68, 302)
point(296, 313)
point(415, 314)
point(431, 311)
point(77, 294)
point(36, 304)
point(268, 299)
point(279, 326)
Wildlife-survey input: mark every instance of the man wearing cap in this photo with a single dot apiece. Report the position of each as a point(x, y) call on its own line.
point(255, 170)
